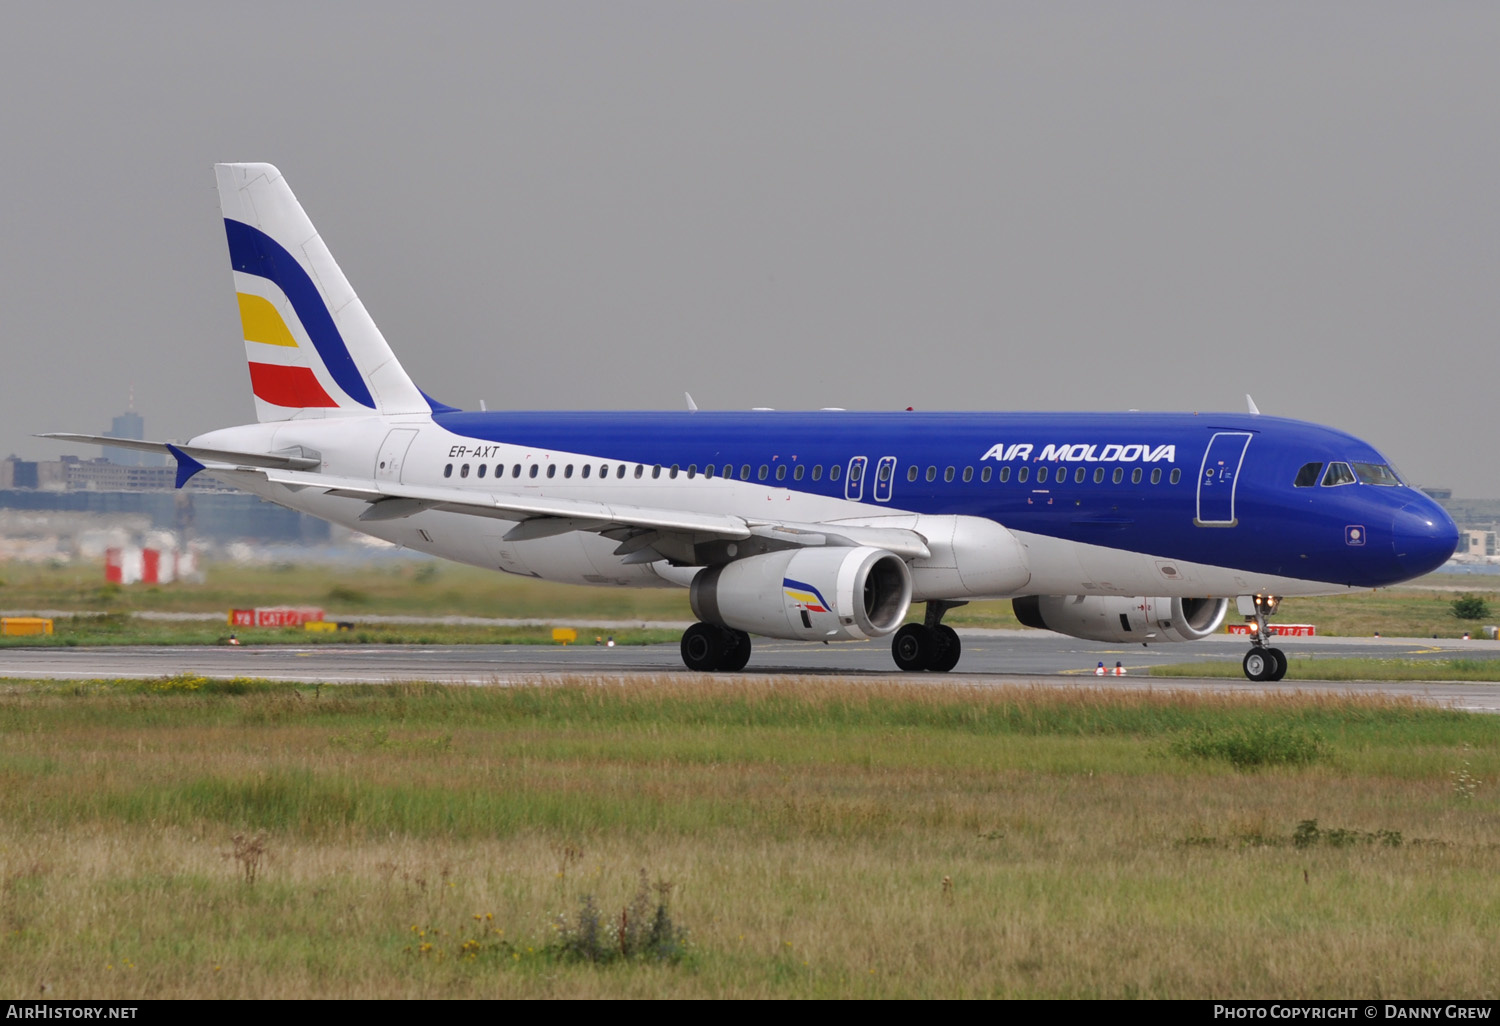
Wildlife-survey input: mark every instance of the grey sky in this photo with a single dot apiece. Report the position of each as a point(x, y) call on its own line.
point(947, 206)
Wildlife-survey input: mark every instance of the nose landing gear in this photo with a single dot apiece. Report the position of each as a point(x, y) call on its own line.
point(1264, 663)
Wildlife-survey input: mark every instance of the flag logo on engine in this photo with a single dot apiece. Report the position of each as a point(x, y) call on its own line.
point(805, 595)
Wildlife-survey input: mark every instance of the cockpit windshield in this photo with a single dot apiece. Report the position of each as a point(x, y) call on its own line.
point(1338, 474)
point(1377, 474)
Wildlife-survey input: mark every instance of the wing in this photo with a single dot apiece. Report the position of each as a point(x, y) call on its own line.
point(645, 533)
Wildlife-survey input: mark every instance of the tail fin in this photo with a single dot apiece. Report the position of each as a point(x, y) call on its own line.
point(313, 349)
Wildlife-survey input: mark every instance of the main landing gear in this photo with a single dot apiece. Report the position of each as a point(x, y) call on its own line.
point(707, 648)
point(929, 645)
point(1264, 663)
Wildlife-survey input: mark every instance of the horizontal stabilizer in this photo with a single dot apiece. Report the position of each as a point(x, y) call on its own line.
point(270, 460)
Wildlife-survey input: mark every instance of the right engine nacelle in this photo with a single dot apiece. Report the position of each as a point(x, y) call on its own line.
point(1106, 618)
point(807, 594)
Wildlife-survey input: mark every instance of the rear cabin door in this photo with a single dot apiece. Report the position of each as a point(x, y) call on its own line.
point(1218, 478)
point(392, 456)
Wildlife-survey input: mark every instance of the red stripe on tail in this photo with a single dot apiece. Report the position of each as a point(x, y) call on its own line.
point(294, 387)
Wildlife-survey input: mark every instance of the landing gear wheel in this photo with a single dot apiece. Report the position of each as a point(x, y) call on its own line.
point(1259, 664)
point(911, 646)
point(1280, 657)
point(736, 651)
point(947, 650)
point(703, 647)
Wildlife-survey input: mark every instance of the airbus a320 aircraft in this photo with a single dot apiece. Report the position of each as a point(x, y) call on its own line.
point(816, 526)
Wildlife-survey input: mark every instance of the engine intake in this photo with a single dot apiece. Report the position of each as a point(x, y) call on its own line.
point(807, 594)
point(1107, 618)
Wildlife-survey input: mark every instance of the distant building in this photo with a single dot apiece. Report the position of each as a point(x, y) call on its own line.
point(133, 426)
point(17, 473)
point(1476, 543)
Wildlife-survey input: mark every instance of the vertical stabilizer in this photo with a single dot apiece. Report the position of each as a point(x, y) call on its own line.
point(313, 349)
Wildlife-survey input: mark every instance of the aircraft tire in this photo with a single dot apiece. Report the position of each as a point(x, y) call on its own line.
point(947, 651)
point(1280, 669)
point(911, 647)
point(703, 647)
point(736, 651)
point(1259, 664)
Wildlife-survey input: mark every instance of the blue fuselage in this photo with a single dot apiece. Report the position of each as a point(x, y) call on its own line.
point(1217, 489)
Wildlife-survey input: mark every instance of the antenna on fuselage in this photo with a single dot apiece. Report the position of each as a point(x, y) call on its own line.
point(1251, 404)
point(692, 406)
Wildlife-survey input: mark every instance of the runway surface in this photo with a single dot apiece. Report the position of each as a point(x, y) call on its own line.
point(990, 658)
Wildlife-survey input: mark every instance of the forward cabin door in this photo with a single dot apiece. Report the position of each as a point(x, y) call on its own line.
point(1218, 478)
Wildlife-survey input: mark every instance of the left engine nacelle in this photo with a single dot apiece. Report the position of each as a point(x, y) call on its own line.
point(807, 594)
point(1107, 618)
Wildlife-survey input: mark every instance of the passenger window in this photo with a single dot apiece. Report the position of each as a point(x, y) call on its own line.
point(1079, 475)
point(932, 473)
point(760, 475)
point(1041, 475)
point(729, 470)
point(968, 474)
point(1156, 475)
point(1176, 474)
point(911, 472)
point(1004, 474)
point(515, 471)
point(640, 470)
point(448, 470)
point(833, 472)
point(817, 471)
point(692, 471)
point(568, 470)
point(1022, 475)
point(620, 472)
point(672, 474)
point(1337, 474)
point(984, 475)
point(798, 472)
point(885, 472)
point(855, 471)
point(708, 471)
point(552, 470)
point(744, 471)
point(948, 474)
point(656, 472)
point(1098, 475)
point(781, 472)
point(1308, 475)
point(1135, 476)
point(481, 471)
point(463, 471)
point(1118, 475)
point(586, 468)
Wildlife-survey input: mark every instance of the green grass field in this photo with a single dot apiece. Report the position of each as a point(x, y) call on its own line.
point(820, 839)
point(123, 629)
point(1311, 668)
point(424, 588)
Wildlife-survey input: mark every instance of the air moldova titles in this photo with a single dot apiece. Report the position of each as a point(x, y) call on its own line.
point(1084, 453)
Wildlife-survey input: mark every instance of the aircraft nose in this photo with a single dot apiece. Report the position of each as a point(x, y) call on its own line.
point(1423, 536)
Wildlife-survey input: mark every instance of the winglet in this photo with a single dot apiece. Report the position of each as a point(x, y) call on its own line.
point(186, 465)
point(1251, 404)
